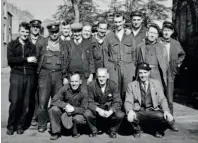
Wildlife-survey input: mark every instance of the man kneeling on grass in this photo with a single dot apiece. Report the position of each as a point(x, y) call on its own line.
point(68, 106)
point(146, 106)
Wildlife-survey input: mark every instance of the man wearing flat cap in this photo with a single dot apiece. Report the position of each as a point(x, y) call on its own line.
point(138, 29)
point(52, 66)
point(152, 51)
point(35, 37)
point(81, 56)
point(175, 57)
point(146, 106)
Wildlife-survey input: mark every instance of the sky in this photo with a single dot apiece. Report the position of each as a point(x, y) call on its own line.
point(44, 9)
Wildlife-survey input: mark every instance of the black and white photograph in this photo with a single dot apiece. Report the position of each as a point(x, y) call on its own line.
point(99, 71)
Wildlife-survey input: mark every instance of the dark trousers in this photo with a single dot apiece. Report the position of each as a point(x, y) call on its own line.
point(95, 121)
point(169, 94)
point(55, 114)
point(150, 121)
point(49, 83)
point(21, 87)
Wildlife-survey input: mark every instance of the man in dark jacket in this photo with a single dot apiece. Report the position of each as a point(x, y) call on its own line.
point(70, 101)
point(104, 104)
point(21, 55)
point(175, 55)
point(35, 37)
point(81, 56)
point(52, 66)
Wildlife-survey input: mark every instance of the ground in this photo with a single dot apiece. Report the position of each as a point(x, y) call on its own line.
point(186, 119)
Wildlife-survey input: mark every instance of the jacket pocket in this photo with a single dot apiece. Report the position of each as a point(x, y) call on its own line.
point(128, 48)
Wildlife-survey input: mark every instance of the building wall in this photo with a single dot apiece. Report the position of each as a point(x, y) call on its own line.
point(6, 32)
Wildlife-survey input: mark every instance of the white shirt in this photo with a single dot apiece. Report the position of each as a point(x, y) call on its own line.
point(135, 32)
point(103, 88)
point(120, 34)
point(168, 50)
point(145, 84)
point(65, 38)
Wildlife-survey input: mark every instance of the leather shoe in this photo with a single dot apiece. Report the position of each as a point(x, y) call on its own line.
point(174, 128)
point(159, 135)
point(93, 134)
point(76, 136)
point(54, 136)
point(41, 130)
point(137, 134)
point(20, 131)
point(112, 135)
point(9, 132)
point(33, 123)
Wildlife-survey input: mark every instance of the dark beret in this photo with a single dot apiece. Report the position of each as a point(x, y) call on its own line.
point(53, 27)
point(136, 13)
point(154, 25)
point(168, 24)
point(144, 66)
point(76, 26)
point(35, 22)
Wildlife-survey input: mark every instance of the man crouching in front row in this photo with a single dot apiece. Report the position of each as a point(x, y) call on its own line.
point(68, 106)
point(104, 105)
point(146, 106)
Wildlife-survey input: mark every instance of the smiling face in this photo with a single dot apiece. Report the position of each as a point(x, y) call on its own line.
point(65, 29)
point(102, 29)
point(119, 22)
point(86, 31)
point(152, 34)
point(23, 33)
point(102, 76)
point(54, 35)
point(143, 75)
point(167, 32)
point(77, 34)
point(136, 21)
point(75, 81)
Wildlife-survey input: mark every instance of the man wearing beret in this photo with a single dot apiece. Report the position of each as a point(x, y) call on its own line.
point(35, 37)
point(138, 29)
point(21, 55)
point(68, 104)
point(81, 56)
point(152, 51)
point(104, 105)
point(53, 61)
point(175, 55)
point(120, 51)
point(146, 106)
point(65, 29)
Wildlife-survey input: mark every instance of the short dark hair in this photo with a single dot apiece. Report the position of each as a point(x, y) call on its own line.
point(25, 25)
point(119, 14)
point(74, 73)
point(65, 22)
point(103, 22)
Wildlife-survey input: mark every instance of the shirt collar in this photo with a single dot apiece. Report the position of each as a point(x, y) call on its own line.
point(99, 39)
point(74, 91)
point(79, 41)
point(64, 38)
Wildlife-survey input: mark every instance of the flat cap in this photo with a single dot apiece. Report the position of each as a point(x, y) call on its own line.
point(35, 22)
point(76, 26)
point(144, 66)
point(154, 25)
point(52, 27)
point(168, 24)
point(136, 13)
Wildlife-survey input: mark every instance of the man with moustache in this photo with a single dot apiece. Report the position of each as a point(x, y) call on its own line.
point(21, 55)
point(146, 106)
point(35, 37)
point(81, 56)
point(175, 55)
point(65, 29)
point(87, 30)
point(104, 105)
point(98, 44)
point(120, 51)
point(70, 101)
point(53, 61)
point(151, 51)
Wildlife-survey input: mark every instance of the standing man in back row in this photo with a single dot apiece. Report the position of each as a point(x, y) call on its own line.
point(120, 51)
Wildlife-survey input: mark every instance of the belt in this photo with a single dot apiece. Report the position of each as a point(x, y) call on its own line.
point(50, 70)
point(118, 63)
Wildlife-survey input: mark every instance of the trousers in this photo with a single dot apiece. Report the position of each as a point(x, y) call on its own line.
point(21, 87)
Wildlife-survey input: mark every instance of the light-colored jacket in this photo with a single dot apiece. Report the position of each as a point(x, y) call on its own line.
point(133, 96)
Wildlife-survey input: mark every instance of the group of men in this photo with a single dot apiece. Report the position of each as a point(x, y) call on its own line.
point(93, 79)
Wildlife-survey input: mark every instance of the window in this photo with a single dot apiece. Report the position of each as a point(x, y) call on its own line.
point(4, 10)
point(4, 34)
